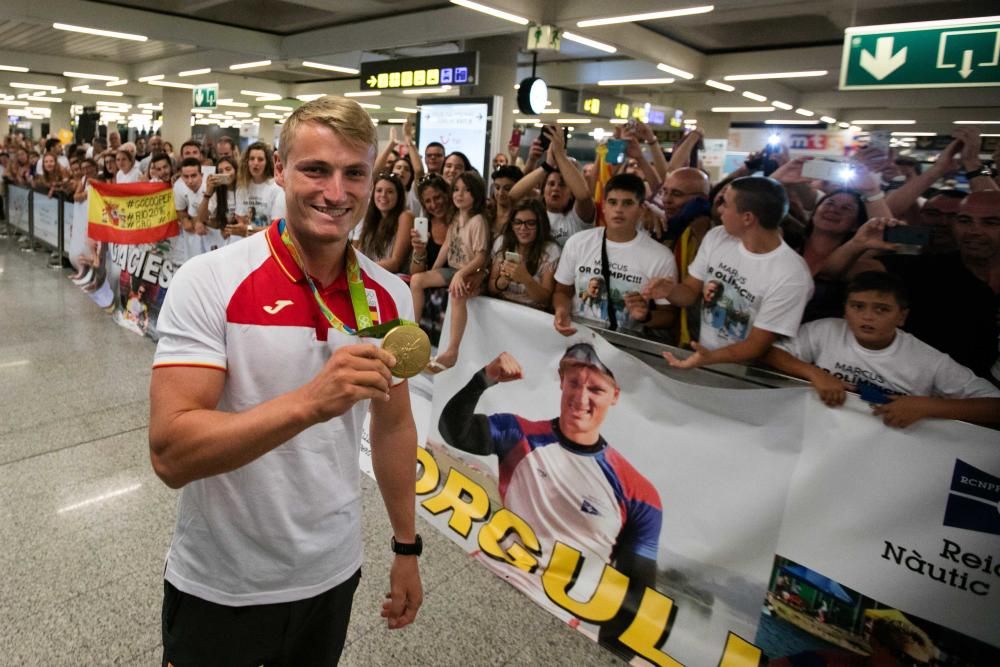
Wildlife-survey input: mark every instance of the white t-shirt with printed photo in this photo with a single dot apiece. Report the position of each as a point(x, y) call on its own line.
point(214, 239)
point(908, 366)
point(764, 290)
point(632, 264)
point(267, 200)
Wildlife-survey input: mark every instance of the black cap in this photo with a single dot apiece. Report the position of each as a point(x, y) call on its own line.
point(584, 354)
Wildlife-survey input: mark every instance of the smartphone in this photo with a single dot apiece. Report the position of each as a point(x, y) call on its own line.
point(543, 138)
point(420, 224)
point(515, 137)
point(871, 393)
point(700, 146)
point(207, 169)
point(223, 179)
point(512, 257)
point(823, 170)
point(616, 151)
point(912, 238)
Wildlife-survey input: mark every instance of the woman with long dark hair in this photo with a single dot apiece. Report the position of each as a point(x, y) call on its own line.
point(525, 257)
point(217, 210)
point(384, 234)
point(435, 198)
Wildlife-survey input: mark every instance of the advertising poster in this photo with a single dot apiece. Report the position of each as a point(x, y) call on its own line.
point(685, 525)
point(459, 127)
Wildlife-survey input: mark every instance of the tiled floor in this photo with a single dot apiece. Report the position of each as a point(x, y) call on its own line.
point(86, 524)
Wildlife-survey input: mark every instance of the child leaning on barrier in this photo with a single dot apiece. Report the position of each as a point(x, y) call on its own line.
point(903, 378)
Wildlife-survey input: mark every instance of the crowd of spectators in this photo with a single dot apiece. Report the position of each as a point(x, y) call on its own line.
point(778, 269)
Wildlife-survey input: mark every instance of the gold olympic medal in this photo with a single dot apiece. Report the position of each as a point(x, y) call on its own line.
point(411, 347)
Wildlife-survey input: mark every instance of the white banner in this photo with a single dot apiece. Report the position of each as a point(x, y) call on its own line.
point(18, 211)
point(782, 527)
point(46, 212)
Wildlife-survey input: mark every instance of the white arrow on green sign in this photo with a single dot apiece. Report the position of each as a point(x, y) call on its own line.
point(204, 97)
point(927, 54)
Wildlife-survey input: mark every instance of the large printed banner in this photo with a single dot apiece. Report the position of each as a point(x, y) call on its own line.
point(131, 212)
point(138, 223)
point(686, 525)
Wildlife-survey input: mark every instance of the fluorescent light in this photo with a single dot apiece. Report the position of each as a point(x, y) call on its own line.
point(790, 121)
point(170, 84)
point(45, 99)
point(154, 77)
point(100, 33)
point(12, 68)
point(258, 63)
point(576, 121)
point(913, 134)
point(618, 121)
point(775, 75)
point(230, 103)
point(986, 134)
point(844, 125)
point(828, 119)
point(364, 93)
point(32, 86)
point(406, 109)
point(721, 86)
point(526, 121)
point(366, 105)
point(116, 82)
point(396, 121)
point(195, 72)
point(239, 114)
point(781, 105)
point(634, 82)
point(257, 93)
point(754, 96)
point(310, 97)
point(586, 41)
point(551, 110)
point(83, 75)
point(854, 128)
point(77, 89)
point(924, 24)
point(651, 16)
point(957, 122)
point(14, 103)
point(741, 109)
point(475, 6)
point(883, 122)
point(427, 91)
point(331, 68)
point(673, 70)
point(275, 107)
point(106, 93)
point(805, 112)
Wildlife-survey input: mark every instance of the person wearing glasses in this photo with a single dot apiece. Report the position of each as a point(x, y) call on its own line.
point(525, 258)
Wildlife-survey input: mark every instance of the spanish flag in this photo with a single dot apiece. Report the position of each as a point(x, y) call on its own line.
point(131, 213)
point(604, 173)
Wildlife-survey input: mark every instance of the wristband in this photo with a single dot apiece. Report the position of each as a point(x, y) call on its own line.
point(983, 170)
point(875, 197)
point(546, 166)
point(413, 549)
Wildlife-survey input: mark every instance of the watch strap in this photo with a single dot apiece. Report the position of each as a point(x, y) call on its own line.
point(983, 170)
point(404, 549)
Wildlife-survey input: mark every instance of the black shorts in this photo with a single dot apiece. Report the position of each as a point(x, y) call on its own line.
point(305, 632)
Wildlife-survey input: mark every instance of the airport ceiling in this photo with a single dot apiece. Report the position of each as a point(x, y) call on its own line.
point(737, 37)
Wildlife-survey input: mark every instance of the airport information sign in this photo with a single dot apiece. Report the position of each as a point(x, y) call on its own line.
point(453, 69)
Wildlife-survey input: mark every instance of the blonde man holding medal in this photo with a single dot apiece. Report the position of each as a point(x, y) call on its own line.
point(267, 362)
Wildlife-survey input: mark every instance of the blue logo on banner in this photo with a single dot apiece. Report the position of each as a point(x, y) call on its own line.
point(974, 501)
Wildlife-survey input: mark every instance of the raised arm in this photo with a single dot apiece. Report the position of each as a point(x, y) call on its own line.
point(572, 176)
point(900, 199)
point(459, 425)
point(972, 143)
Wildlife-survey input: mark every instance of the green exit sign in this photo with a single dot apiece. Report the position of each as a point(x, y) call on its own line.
point(204, 97)
point(962, 53)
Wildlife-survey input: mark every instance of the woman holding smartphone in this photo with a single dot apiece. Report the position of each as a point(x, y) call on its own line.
point(259, 200)
point(435, 197)
point(525, 258)
point(217, 210)
point(385, 232)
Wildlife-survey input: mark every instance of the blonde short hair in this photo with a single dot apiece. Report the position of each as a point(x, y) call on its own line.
point(344, 116)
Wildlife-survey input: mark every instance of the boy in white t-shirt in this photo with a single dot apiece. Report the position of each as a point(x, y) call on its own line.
point(753, 286)
point(905, 379)
point(188, 191)
point(633, 260)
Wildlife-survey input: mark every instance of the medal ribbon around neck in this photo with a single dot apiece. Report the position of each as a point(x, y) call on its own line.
point(359, 300)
